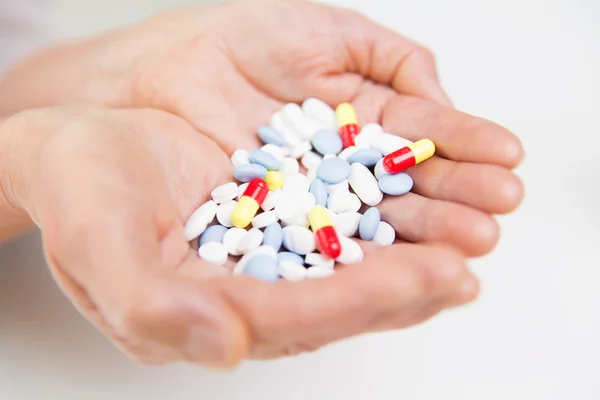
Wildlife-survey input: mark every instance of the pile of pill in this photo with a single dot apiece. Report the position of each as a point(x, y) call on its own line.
point(311, 216)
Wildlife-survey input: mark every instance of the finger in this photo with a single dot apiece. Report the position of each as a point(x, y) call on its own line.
point(488, 187)
point(457, 136)
point(393, 282)
point(386, 57)
point(422, 220)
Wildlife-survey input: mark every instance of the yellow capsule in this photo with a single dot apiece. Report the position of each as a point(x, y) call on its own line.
point(345, 115)
point(422, 150)
point(274, 180)
point(244, 211)
point(319, 218)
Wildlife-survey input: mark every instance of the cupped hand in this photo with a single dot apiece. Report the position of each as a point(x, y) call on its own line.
point(110, 190)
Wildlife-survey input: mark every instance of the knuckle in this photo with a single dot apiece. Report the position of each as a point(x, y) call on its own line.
point(424, 53)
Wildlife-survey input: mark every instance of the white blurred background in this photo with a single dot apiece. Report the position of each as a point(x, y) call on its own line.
point(530, 65)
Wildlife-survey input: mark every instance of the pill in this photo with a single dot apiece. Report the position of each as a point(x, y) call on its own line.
point(343, 186)
point(368, 132)
point(319, 191)
point(299, 149)
point(213, 252)
point(262, 250)
point(199, 220)
point(347, 123)
point(298, 219)
point(251, 241)
point(305, 127)
point(396, 185)
point(240, 157)
point(225, 211)
point(270, 136)
point(351, 251)
point(213, 233)
point(325, 234)
point(289, 166)
point(305, 202)
point(366, 157)
point(311, 174)
point(274, 180)
point(298, 239)
point(385, 235)
point(264, 219)
point(294, 117)
point(265, 159)
point(327, 142)
point(263, 268)
point(379, 171)
point(333, 170)
point(241, 189)
point(296, 183)
point(347, 152)
point(271, 200)
point(246, 173)
point(319, 260)
point(369, 223)
point(249, 203)
point(286, 206)
point(278, 152)
point(289, 256)
point(273, 236)
point(277, 122)
point(311, 160)
point(224, 192)
point(371, 129)
point(364, 185)
point(343, 202)
point(387, 143)
point(408, 156)
point(319, 110)
point(318, 272)
point(232, 239)
point(291, 271)
point(346, 224)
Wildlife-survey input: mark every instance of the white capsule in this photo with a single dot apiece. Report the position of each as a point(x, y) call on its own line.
point(351, 251)
point(232, 239)
point(214, 253)
point(264, 219)
point(298, 239)
point(319, 260)
point(224, 213)
point(199, 220)
point(346, 224)
point(365, 185)
point(238, 269)
point(311, 160)
point(385, 235)
point(251, 241)
point(379, 171)
point(240, 157)
point(347, 152)
point(291, 271)
point(271, 200)
point(224, 192)
point(241, 189)
point(343, 186)
point(289, 166)
point(343, 202)
point(296, 183)
point(278, 152)
point(299, 149)
point(387, 143)
point(319, 110)
point(318, 272)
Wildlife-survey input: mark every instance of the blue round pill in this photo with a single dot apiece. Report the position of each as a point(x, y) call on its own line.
point(395, 185)
point(273, 236)
point(262, 267)
point(327, 142)
point(319, 190)
point(333, 170)
point(265, 159)
point(289, 256)
point(366, 157)
point(245, 173)
point(270, 136)
point(213, 233)
point(369, 222)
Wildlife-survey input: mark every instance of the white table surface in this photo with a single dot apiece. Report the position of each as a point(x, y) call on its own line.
point(533, 66)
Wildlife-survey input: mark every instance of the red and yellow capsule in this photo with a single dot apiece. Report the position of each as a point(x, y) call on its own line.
point(347, 123)
point(408, 156)
point(327, 238)
point(251, 200)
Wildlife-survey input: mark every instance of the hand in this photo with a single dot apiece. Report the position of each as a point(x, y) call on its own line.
point(110, 190)
point(226, 82)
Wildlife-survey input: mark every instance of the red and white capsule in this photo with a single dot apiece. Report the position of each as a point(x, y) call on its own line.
point(408, 156)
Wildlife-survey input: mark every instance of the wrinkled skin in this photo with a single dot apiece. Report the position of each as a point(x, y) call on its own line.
point(112, 228)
